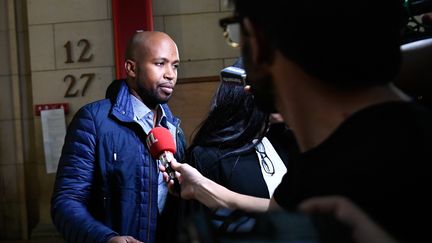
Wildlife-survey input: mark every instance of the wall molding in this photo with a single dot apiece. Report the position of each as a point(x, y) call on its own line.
point(198, 79)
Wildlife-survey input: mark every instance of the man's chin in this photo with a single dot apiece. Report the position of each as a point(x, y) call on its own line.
point(263, 93)
point(163, 100)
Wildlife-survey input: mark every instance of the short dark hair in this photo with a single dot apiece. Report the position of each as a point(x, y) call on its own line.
point(346, 43)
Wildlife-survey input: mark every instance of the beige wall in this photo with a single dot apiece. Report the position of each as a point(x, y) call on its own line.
point(59, 32)
point(34, 37)
point(15, 118)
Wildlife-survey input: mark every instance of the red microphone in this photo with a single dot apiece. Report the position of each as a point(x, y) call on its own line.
point(162, 146)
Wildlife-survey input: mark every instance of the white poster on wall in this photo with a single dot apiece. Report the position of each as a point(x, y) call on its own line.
point(53, 132)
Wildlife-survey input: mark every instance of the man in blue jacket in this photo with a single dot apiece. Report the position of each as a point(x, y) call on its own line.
point(108, 187)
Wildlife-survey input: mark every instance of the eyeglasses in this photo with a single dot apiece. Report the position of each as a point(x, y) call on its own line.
point(266, 162)
point(231, 30)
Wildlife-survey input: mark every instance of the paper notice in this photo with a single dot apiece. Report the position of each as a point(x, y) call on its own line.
point(53, 131)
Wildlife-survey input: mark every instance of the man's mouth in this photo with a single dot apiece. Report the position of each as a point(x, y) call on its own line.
point(167, 88)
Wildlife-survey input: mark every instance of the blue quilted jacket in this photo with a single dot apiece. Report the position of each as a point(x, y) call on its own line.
point(107, 182)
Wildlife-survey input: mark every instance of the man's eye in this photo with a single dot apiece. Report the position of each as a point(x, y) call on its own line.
point(159, 64)
point(176, 66)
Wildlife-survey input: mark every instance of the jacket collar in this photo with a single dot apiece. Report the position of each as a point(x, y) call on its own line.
point(123, 110)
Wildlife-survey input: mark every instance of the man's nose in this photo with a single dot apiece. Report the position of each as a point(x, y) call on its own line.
point(170, 72)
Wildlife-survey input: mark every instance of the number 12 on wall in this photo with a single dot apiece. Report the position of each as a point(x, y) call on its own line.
point(76, 88)
point(84, 56)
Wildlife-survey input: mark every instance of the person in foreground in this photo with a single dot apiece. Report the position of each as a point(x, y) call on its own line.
point(360, 137)
point(108, 187)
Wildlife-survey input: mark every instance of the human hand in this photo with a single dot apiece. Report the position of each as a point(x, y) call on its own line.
point(123, 239)
point(364, 229)
point(188, 177)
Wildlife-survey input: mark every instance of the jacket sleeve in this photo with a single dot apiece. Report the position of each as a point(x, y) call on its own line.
point(73, 184)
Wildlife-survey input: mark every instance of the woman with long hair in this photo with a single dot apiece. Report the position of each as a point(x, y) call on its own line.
point(231, 147)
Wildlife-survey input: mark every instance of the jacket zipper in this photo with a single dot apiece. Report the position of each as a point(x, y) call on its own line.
point(150, 190)
point(177, 132)
point(150, 201)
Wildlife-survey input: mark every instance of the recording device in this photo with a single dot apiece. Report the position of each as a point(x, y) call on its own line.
point(162, 147)
point(234, 75)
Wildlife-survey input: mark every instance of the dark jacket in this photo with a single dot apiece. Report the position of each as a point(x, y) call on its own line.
point(107, 182)
point(240, 173)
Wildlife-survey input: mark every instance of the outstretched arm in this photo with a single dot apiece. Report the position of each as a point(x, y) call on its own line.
point(195, 186)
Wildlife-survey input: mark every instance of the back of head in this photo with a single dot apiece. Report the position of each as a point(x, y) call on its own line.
point(346, 43)
point(233, 121)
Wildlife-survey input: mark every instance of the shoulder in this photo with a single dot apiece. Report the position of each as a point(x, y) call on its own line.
point(91, 115)
point(394, 109)
point(200, 152)
point(390, 119)
point(94, 109)
point(204, 157)
point(97, 105)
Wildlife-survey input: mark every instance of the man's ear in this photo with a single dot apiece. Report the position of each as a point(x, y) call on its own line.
point(130, 68)
point(261, 50)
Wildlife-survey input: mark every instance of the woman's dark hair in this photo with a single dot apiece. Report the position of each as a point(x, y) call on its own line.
point(233, 121)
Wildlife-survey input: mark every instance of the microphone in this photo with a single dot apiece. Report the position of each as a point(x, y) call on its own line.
point(162, 146)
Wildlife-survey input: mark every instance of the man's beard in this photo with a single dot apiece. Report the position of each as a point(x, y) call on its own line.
point(261, 83)
point(151, 99)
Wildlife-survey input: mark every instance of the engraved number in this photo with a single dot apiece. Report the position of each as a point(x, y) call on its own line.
point(85, 56)
point(73, 90)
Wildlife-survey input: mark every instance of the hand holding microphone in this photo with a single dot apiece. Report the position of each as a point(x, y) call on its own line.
point(194, 185)
point(162, 147)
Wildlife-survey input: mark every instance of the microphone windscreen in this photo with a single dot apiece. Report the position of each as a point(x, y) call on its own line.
point(159, 140)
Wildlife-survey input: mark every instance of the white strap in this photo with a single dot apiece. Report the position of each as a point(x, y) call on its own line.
point(276, 165)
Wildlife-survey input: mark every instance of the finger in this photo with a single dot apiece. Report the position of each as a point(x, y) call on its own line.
point(166, 177)
point(176, 165)
point(171, 188)
point(178, 176)
point(171, 183)
point(162, 168)
point(130, 239)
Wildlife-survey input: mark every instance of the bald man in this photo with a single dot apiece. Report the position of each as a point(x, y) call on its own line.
point(108, 187)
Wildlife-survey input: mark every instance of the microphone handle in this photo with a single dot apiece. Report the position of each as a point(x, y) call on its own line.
point(165, 159)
